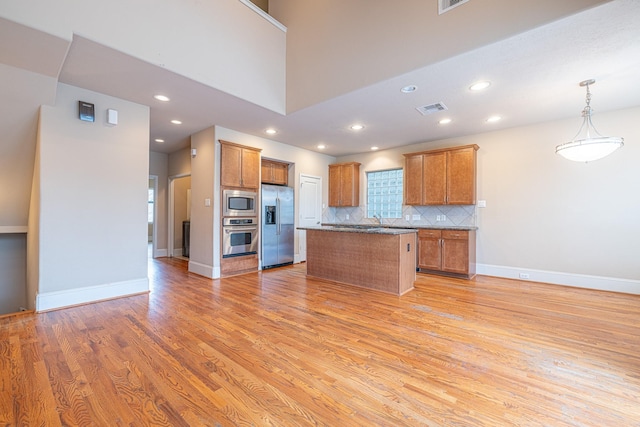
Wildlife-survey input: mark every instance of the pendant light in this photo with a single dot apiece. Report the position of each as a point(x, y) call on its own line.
point(588, 144)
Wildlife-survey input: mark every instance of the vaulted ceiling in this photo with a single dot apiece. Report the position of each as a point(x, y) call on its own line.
point(534, 69)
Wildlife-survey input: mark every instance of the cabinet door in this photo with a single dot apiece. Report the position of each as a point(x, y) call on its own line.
point(280, 173)
point(266, 172)
point(250, 168)
point(350, 185)
point(429, 254)
point(461, 177)
point(413, 180)
point(335, 178)
point(344, 184)
point(435, 179)
point(455, 251)
point(230, 165)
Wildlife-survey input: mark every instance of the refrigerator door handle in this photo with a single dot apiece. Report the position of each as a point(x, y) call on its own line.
point(278, 225)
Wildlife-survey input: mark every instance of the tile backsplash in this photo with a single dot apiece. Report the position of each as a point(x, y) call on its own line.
point(429, 215)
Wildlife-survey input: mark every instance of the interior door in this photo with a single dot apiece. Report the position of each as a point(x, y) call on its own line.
point(310, 209)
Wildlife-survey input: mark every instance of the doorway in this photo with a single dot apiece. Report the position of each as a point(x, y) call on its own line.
point(152, 216)
point(179, 216)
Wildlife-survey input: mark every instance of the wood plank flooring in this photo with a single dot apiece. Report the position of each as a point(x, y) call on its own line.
point(279, 349)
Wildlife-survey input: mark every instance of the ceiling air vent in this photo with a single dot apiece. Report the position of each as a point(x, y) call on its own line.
point(432, 108)
point(447, 5)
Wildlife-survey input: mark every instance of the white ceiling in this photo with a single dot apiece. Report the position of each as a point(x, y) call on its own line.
point(534, 77)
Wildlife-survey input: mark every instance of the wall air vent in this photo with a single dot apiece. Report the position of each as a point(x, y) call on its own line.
point(447, 5)
point(432, 108)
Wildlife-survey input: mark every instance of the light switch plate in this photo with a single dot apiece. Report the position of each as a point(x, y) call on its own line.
point(112, 116)
point(482, 203)
point(416, 217)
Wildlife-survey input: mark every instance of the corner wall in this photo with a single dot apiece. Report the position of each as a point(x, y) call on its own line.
point(92, 219)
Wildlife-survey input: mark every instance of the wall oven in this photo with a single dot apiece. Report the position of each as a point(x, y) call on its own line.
point(239, 236)
point(239, 203)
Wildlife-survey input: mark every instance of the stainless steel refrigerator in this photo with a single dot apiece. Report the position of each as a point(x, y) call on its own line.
point(277, 225)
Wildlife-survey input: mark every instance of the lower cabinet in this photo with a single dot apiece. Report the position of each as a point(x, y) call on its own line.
point(447, 251)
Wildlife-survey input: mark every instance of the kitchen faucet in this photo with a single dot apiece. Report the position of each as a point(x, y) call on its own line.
point(378, 217)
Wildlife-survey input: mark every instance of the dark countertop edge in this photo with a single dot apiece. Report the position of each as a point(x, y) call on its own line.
point(388, 231)
point(412, 227)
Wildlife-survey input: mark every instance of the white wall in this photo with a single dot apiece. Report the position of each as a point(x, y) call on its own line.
point(245, 53)
point(19, 108)
point(92, 218)
point(559, 221)
point(204, 256)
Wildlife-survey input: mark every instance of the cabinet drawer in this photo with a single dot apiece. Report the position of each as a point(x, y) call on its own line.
point(429, 234)
point(455, 234)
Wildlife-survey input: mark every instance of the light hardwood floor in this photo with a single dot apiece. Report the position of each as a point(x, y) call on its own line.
point(276, 348)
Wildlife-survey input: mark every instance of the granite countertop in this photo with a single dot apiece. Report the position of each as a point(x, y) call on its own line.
point(365, 229)
point(411, 227)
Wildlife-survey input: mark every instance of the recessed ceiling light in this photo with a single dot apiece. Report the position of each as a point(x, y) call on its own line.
point(321, 146)
point(356, 127)
point(444, 121)
point(159, 140)
point(271, 131)
point(374, 148)
point(176, 122)
point(409, 89)
point(480, 85)
point(162, 98)
point(494, 119)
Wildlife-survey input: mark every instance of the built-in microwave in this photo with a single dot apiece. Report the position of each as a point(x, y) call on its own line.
point(239, 203)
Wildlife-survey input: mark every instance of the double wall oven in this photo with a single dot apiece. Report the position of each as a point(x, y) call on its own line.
point(239, 223)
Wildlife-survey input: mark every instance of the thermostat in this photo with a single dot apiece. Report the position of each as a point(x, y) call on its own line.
point(86, 111)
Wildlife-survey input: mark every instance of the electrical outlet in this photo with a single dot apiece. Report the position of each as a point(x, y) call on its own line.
point(524, 275)
point(416, 217)
point(347, 216)
point(406, 217)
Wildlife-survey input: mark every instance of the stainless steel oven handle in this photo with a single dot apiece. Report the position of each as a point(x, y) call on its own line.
point(229, 230)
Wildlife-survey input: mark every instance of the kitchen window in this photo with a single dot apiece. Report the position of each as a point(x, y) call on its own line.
point(384, 193)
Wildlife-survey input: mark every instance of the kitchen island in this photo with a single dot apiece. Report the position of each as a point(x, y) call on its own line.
point(382, 259)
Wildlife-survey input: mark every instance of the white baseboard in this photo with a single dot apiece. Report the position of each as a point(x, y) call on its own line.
point(613, 284)
point(67, 298)
point(161, 253)
point(204, 270)
point(177, 252)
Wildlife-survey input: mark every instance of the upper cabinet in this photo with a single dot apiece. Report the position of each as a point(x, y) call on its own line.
point(441, 177)
point(274, 172)
point(344, 184)
point(239, 165)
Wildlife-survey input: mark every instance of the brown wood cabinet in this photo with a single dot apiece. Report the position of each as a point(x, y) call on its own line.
point(441, 177)
point(239, 165)
point(273, 172)
point(344, 184)
point(447, 251)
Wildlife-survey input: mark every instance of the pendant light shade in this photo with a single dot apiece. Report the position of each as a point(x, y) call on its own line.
point(588, 145)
